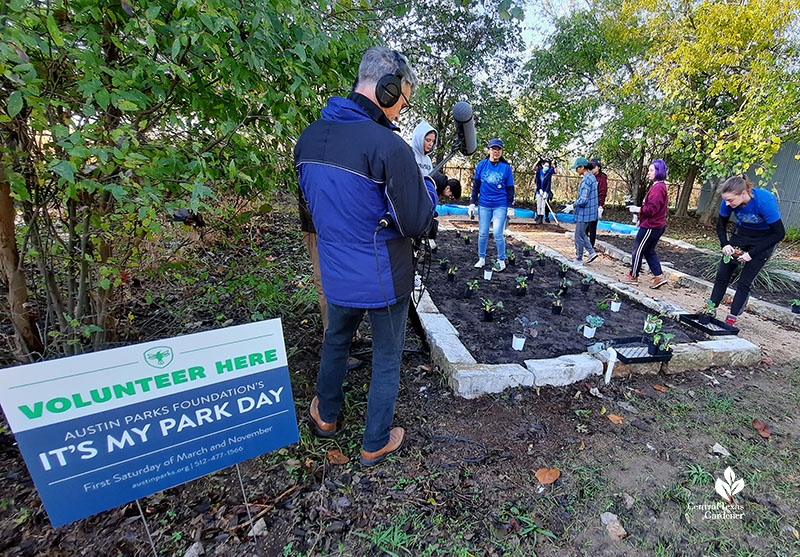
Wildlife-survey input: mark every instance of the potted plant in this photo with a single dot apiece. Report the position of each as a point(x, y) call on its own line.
point(526, 251)
point(795, 305)
point(708, 311)
point(472, 286)
point(564, 285)
point(562, 272)
point(614, 302)
point(487, 271)
point(443, 264)
point(728, 258)
point(529, 269)
point(511, 258)
point(556, 307)
point(652, 324)
point(590, 327)
point(521, 286)
point(541, 256)
point(586, 282)
point(527, 328)
point(662, 344)
point(489, 308)
point(451, 273)
point(466, 238)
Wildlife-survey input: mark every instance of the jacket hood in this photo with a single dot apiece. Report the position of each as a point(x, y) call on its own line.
point(340, 109)
point(418, 139)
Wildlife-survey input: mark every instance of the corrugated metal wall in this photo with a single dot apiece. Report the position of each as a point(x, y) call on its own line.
point(786, 180)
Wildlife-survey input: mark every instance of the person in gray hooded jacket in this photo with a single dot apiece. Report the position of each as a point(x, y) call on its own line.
point(423, 142)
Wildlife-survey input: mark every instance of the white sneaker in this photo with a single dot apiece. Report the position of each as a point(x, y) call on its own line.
point(499, 265)
point(481, 262)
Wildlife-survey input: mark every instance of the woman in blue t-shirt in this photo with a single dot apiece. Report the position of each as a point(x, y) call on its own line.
point(493, 190)
point(758, 230)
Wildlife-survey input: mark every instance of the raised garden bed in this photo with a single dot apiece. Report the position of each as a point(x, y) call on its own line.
point(557, 335)
point(697, 264)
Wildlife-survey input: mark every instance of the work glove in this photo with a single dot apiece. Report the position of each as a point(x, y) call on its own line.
point(634, 208)
point(510, 213)
point(569, 208)
point(471, 210)
point(599, 212)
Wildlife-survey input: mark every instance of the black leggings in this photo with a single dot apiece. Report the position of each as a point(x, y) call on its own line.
point(644, 248)
point(591, 231)
point(749, 273)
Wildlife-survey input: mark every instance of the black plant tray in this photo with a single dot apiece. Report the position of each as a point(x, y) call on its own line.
point(714, 328)
point(633, 350)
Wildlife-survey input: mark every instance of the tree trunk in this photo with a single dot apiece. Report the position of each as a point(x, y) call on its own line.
point(682, 209)
point(27, 335)
point(711, 210)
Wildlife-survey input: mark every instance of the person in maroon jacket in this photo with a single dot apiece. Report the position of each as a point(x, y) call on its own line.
point(652, 222)
point(602, 192)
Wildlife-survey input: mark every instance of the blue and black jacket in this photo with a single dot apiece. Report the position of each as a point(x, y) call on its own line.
point(353, 170)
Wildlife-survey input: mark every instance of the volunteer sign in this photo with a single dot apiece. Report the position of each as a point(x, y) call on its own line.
point(106, 428)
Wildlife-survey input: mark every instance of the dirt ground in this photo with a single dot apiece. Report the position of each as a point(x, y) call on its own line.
point(464, 483)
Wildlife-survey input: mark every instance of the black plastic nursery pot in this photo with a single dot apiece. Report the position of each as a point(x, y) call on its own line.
point(530, 275)
point(512, 262)
point(466, 240)
point(541, 263)
point(795, 309)
point(450, 277)
point(520, 291)
point(443, 266)
point(585, 287)
point(468, 292)
point(562, 274)
point(556, 309)
point(488, 316)
point(654, 350)
point(704, 318)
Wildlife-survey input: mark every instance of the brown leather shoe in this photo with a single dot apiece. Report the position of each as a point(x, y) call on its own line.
point(319, 427)
point(396, 437)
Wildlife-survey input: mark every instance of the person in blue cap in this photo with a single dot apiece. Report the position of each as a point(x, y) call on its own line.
point(493, 191)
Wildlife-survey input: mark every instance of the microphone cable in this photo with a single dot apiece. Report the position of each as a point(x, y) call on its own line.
point(380, 279)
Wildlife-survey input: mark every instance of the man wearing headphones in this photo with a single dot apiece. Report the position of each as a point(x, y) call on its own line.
point(368, 201)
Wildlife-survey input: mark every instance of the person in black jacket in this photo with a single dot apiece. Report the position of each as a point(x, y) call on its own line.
point(368, 201)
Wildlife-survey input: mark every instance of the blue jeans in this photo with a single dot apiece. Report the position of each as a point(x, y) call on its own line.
point(388, 336)
point(498, 215)
point(582, 240)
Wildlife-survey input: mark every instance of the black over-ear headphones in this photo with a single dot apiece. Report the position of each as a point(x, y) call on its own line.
point(390, 86)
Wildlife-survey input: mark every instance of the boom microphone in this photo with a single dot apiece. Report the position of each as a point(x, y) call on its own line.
point(465, 127)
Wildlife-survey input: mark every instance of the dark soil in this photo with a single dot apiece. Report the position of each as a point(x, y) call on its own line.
point(557, 335)
point(703, 265)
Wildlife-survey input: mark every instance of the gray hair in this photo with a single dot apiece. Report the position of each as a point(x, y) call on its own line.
point(377, 61)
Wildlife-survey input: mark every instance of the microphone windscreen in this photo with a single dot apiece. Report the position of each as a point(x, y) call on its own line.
point(465, 125)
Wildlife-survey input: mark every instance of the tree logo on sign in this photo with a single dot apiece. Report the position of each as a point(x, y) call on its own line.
point(158, 357)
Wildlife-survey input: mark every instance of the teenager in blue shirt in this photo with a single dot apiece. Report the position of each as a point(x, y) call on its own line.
point(758, 230)
point(493, 190)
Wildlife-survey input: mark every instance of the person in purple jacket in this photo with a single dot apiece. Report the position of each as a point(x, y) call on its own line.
point(652, 222)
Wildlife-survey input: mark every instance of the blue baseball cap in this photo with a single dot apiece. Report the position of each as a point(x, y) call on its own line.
point(496, 142)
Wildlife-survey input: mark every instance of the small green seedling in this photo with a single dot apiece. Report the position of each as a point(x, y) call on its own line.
point(663, 341)
point(490, 306)
point(472, 284)
point(593, 321)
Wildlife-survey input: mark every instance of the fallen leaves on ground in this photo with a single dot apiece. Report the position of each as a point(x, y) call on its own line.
point(763, 428)
point(616, 418)
point(660, 388)
point(547, 475)
point(335, 456)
